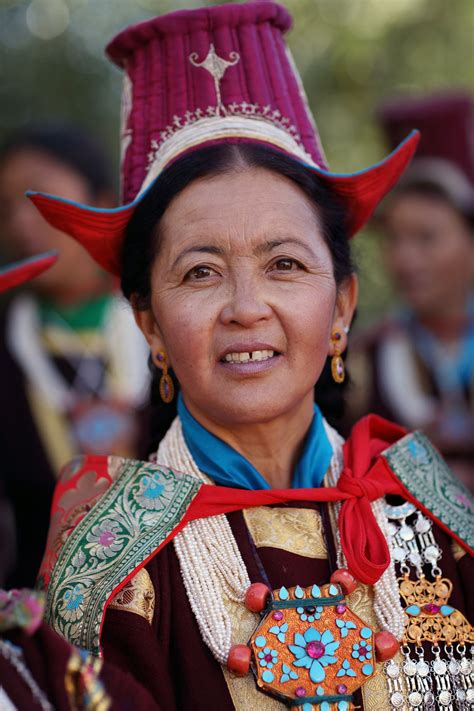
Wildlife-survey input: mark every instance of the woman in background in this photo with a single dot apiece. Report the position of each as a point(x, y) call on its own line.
point(67, 385)
point(417, 366)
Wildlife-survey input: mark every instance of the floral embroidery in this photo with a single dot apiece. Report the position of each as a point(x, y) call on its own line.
point(314, 651)
point(103, 541)
point(309, 613)
point(72, 603)
point(345, 626)
point(155, 491)
point(361, 650)
point(126, 516)
point(268, 657)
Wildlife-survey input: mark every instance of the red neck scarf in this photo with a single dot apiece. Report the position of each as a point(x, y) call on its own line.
point(366, 477)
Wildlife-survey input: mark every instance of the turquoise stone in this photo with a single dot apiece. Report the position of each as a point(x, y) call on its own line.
point(333, 590)
point(260, 641)
point(446, 610)
point(284, 594)
point(299, 592)
point(267, 676)
point(367, 669)
point(413, 610)
point(315, 591)
point(342, 706)
point(365, 632)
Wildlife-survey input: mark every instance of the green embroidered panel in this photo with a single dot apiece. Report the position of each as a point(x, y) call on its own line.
point(425, 474)
point(135, 515)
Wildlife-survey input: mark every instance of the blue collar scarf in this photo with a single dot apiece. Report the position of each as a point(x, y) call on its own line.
point(229, 468)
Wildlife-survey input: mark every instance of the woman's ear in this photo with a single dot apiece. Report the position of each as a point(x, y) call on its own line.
point(346, 302)
point(146, 322)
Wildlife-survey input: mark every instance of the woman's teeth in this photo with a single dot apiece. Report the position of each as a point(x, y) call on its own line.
point(246, 357)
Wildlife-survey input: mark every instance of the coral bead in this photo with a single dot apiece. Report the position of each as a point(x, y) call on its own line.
point(386, 646)
point(345, 579)
point(238, 661)
point(256, 597)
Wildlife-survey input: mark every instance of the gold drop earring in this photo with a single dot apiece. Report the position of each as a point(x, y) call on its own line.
point(166, 383)
point(338, 370)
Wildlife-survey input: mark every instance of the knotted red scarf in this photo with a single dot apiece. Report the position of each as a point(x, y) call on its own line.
point(366, 477)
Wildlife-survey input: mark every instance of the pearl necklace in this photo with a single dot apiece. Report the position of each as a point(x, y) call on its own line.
point(210, 561)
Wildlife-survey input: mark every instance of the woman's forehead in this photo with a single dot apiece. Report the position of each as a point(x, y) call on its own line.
point(254, 203)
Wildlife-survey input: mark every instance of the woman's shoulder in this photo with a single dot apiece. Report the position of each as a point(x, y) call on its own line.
point(95, 492)
point(426, 478)
point(109, 517)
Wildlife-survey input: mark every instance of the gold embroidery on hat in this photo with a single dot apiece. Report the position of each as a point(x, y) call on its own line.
point(217, 67)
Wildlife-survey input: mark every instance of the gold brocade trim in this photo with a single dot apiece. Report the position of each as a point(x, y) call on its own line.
point(297, 531)
point(137, 596)
point(83, 687)
point(53, 430)
point(242, 690)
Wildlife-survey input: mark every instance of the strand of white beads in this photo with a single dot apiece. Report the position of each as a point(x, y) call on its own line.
point(387, 605)
point(210, 560)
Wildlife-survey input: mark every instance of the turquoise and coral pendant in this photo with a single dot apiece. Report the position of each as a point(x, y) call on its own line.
point(310, 650)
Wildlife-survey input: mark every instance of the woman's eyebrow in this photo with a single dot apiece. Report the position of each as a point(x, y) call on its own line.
point(269, 245)
point(202, 249)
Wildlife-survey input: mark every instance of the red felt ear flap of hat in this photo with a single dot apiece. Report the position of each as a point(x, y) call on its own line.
point(362, 192)
point(101, 231)
point(21, 272)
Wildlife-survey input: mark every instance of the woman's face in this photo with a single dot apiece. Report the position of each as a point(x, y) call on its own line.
point(25, 233)
point(429, 252)
point(243, 297)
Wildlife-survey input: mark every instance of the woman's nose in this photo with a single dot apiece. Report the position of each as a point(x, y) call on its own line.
point(246, 304)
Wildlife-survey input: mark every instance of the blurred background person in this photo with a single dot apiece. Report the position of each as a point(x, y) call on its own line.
point(419, 361)
point(71, 359)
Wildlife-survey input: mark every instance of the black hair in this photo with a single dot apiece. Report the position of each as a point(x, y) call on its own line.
point(142, 238)
point(432, 190)
point(69, 145)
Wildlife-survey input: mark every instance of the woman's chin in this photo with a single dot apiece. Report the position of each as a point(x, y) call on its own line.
point(251, 406)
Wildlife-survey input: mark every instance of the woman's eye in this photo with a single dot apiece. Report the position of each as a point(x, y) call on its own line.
point(201, 272)
point(285, 265)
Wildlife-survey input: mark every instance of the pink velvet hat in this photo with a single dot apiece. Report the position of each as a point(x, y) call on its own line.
point(194, 78)
point(21, 272)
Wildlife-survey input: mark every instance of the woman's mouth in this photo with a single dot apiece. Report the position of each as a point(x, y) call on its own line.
point(248, 356)
point(250, 362)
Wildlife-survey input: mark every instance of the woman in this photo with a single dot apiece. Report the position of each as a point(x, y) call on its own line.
point(235, 256)
point(428, 226)
point(73, 392)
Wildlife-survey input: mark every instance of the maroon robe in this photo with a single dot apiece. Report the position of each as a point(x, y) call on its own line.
point(169, 656)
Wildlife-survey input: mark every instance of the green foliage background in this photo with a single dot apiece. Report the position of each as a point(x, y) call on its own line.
point(352, 55)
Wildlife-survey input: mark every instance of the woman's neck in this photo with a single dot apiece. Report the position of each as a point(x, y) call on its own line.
point(274, 447)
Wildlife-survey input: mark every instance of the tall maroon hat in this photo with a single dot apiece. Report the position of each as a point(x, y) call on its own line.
point(445, 155)
point(195, 78)
point(21, 272)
